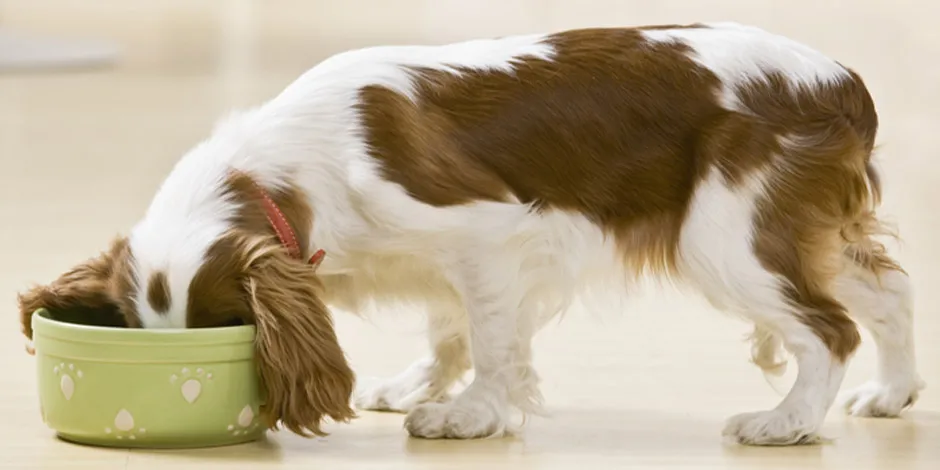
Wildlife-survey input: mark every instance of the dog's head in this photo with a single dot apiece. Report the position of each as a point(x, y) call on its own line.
point(221, 265)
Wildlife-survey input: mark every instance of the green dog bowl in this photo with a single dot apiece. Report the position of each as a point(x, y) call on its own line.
point(120, 387)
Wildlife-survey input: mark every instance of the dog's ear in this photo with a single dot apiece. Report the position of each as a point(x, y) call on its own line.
point(301, 365)
point(86, 294)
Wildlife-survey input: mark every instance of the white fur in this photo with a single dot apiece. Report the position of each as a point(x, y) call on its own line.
point(883, 305)
point(188, 213)
point(739, 53)
point(492, 273)
point(185, 217)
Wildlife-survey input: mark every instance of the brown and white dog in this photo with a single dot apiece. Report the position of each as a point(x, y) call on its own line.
point(495, 180)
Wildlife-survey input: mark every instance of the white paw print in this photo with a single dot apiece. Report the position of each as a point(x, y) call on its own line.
point(124, 427)
point(244, 423)
point(191, 382)
point(66, 379)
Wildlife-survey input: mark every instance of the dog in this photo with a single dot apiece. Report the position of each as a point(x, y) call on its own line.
point(497, 180)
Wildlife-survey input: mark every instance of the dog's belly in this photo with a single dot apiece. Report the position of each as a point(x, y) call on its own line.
point(386, 282)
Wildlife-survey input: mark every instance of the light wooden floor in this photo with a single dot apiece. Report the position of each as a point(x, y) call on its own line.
point(81, 154)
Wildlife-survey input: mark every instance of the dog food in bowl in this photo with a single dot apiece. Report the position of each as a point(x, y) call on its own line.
point(123, 387)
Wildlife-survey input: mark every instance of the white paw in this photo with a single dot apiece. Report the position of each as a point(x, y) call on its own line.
point(779, 427)
point(880, 400)
point(390, 395)
point(459, 419)
point(401, 393)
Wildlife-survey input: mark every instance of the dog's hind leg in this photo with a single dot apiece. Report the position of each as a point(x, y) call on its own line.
point(877, 293)
point(764, 273)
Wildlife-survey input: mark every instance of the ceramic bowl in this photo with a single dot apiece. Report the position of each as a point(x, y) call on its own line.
point(122, 387)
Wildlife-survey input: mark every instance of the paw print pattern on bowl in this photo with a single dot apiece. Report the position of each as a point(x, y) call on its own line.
point(66, 379)
point(124, 427)
point(191, 382)
point(244, 423)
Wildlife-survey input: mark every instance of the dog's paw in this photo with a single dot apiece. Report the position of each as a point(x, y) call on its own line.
point(459, 419)
point(401, 393)
point(394, 395)
point(779, 427)
point(880, 400)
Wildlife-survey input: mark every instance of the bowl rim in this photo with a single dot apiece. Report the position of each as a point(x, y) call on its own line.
point(45, 326)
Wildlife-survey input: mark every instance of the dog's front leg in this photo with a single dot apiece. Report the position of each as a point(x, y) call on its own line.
point(428, 379)
point(500, 316)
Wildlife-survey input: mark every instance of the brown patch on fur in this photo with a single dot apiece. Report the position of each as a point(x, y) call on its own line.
point(158, 292)
point(303, 369)
point(93, 293)
point(822, 194)
point(622, 130)
point(216, 295)
point(251, 216)
point(249, 277)
point(595, 131)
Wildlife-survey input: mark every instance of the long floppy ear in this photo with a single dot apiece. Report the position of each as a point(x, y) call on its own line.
point(302, 367)
point(84, 294)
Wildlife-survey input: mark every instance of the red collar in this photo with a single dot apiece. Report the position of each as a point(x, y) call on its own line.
point(284, 231)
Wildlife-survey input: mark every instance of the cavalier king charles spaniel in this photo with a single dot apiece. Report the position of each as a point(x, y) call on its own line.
point(497, 180)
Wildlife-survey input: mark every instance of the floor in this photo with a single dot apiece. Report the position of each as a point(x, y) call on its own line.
point(82, 152)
